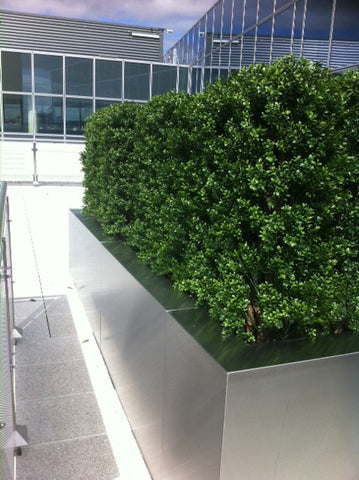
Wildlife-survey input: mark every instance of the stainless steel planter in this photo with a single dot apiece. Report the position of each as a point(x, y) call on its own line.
point(203, 407)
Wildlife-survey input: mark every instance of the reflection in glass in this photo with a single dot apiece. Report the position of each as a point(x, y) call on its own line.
point(237, 17)
point(251, 14)
point(108, 79)
point(266, 7)
point(317, 28)
point(263, 42)
point(223, 73)
point(248, 50)
point(163, 79)
point(17, 113)
point(48, 74)
point(346, 25)
point(137, 81)
point(209, 38)
point(207, 76)
point(282, 34)
point(227, 17)
point(77, 110)
point(79, 76)
point(202, 38)
point(195, 43)
point(190, 47)
point(215, 74)
point(49, 115)
point(345, 46)
point(298, 27)
point(185, 50)
point(217, 12)
point(183, 79)
point(105, 103)
point(319, 13)
point(196, 80)
point(16, 72)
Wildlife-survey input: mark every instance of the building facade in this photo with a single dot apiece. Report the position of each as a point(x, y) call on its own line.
point(57, 71)
point(237, 33)
point(77, 37)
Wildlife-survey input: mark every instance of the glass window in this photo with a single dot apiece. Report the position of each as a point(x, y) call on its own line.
point(77, 110)
point(163, 79)
point(49, 115)
point(248, 50)
point(48, 74)
point(195, 43)
point(190, 47)
point(282, 34)
point(266, 8)
point(78, 76)
point(237, 17)
point(319, 13)
point(281, 3)
point(108, 79)
point(202, 38)
point(251, 14)
point(346, 20)
point(215, 74)
point(105, 103)
point(223, 73)
point(183, 79)
point(17, 113)
point(182, 54)
point(196, 80)
point(185, 50)
point(317, 27)
point(263, 43)
point(227, 17)
point(346, 29)
point(209, 37)
point(217, 11)
point(16, 72)
point(137, 80)
point(207, 76)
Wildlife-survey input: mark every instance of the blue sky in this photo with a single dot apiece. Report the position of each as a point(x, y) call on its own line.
point(178, 15)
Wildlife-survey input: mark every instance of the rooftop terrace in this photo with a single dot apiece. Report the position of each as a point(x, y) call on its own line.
point(76, 426)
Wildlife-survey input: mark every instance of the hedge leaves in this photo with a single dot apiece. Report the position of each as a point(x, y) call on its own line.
point(245, 195)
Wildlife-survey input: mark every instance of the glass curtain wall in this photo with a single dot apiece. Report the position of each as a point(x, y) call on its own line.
point(50, 96)
point(243, 32)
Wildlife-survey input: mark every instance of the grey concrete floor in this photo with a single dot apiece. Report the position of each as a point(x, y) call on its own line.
point(77, 429)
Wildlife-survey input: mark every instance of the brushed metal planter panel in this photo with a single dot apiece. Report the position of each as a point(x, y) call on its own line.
point(194, 397)
point(205, 407)
point(132, 343)
point(85, 251)
point(297, 421)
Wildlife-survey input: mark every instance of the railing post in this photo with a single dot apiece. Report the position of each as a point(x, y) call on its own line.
point(35, 177)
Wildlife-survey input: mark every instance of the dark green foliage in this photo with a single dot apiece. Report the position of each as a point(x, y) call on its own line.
point(246, 195)
point(109, 172)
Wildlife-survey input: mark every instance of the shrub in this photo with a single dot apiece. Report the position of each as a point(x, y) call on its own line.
point(246, 195)
point(106, 162)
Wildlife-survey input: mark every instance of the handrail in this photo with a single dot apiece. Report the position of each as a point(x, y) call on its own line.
point(3, 206)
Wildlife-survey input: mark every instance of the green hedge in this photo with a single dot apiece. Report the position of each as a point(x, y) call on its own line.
point(245, 195)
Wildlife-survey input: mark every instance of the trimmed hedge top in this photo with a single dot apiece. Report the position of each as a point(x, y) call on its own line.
point(245, 195)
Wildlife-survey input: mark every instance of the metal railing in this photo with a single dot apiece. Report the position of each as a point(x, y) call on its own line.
point(12, 435)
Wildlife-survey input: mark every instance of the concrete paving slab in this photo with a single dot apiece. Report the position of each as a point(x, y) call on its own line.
point(47, 350)
point(61, 418)
point(81, 459)
point(27, 308)
point(45, 381)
